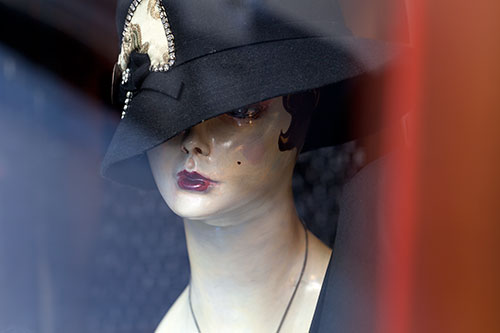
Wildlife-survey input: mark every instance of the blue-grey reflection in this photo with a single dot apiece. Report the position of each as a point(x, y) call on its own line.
point(77, 253)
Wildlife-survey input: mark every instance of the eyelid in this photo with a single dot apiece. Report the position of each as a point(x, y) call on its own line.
point(259, 107)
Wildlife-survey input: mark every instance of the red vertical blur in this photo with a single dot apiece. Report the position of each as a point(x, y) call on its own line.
point(398, 214)
point(440, 272)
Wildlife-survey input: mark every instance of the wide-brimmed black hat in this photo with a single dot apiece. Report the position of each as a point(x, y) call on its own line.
point(185, 61)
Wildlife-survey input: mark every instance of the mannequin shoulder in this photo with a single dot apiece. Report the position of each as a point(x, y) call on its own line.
point(319, 257)
point(177, 316)
point(303, 308)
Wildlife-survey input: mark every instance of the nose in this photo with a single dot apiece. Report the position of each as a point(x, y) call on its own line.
point(196, 141)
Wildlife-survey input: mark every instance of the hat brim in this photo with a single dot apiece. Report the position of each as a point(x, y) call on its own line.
point(206, 87)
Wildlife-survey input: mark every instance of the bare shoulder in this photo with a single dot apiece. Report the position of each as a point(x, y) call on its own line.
point(176, 318)
point(301, 312)
point(320, 255)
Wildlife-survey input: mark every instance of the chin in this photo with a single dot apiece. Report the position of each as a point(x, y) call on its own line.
point(211, 210)
point(192, 205)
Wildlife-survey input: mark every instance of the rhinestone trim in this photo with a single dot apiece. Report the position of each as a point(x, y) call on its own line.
point(126, 76)
point(128, 99)
point(163, 67)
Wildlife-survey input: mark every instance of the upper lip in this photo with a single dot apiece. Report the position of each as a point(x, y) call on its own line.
point(194, 176)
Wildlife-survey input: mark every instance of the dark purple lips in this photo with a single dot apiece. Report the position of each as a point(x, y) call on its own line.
point(193, 181)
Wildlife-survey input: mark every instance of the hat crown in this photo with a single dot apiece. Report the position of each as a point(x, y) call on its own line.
point(202, 27)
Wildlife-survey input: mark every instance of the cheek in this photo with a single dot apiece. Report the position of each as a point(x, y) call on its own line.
point(262, 160)
point(263, 147)
point(254, 154)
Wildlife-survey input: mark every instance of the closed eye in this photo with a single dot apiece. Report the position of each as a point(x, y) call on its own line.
point(248, 112)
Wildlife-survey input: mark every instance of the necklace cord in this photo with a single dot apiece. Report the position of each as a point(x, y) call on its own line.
point(191, 307)
point(291, 298)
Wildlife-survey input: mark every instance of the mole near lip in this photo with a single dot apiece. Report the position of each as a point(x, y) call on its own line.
point(193, 181)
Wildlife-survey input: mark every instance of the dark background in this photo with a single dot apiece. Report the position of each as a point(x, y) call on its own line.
point(77, 252)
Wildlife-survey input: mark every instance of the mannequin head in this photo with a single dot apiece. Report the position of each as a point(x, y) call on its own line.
point(233, 164)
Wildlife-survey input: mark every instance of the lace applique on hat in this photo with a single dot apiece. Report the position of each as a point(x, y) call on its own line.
point(147, 30)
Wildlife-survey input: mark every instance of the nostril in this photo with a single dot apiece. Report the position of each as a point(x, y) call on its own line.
point(196, 150)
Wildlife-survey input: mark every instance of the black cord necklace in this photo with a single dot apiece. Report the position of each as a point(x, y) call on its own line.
point(289, 302)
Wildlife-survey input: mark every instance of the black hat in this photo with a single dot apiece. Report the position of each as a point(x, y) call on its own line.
point(185, 61)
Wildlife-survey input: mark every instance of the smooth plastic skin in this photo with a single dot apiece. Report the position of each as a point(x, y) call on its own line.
point(231, 184)
point(213, 149)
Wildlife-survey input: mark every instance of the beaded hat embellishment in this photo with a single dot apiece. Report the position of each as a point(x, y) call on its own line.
point(147, 30)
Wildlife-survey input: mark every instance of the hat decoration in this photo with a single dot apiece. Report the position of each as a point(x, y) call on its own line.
point(147, 31)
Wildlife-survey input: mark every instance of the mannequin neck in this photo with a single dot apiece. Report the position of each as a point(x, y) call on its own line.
point(252, 264)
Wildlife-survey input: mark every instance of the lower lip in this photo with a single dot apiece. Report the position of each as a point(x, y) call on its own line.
point(190, 184)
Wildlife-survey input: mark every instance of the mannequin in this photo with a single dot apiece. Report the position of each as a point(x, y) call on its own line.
point(245, 242)
point(184, 71)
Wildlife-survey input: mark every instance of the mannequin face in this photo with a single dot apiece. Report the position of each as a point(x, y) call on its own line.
point(226, 166)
